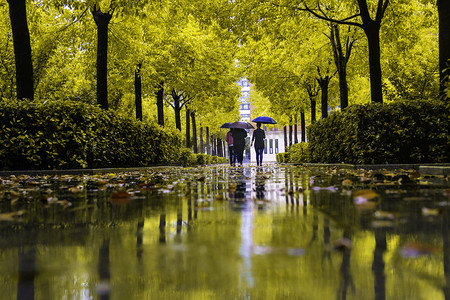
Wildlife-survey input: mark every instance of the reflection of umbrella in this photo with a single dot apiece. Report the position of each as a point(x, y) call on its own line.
point(265, 120)
point(243, 125)
point(225, 125)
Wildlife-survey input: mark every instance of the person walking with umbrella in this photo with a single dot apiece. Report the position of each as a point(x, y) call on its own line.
point(258, 138)
point(239, 136)
point(230, 143)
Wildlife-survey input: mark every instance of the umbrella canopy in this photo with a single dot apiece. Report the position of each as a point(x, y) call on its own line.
point(265, 120)
point(243, 125)
point(225, 125)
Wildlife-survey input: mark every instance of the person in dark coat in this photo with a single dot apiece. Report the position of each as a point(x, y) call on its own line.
point(230, 142)
point(239, 136)
point(258, 138)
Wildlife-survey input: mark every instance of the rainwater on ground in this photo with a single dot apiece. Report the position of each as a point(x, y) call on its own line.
point(216, 232)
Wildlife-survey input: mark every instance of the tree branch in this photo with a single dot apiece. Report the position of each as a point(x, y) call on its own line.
point(326, 18)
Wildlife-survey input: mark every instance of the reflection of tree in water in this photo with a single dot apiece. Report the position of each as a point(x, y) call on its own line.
point(378, 264)
point(27, 272)
point(446, 242)
point(346, 276)
point(103, 289)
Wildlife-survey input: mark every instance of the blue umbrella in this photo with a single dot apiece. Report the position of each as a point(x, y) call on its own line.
point(264, 120)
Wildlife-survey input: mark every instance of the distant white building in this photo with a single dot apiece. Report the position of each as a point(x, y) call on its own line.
point(274, 142)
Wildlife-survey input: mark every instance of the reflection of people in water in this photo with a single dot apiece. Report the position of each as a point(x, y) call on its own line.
point(260, 189)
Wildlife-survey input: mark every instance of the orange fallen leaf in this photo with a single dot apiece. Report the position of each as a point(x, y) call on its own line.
point(120, 197)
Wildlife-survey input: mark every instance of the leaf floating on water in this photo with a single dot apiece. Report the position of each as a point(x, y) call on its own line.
point(76, 189)
point(264, 250)
point(413, 250)
point(364, 196)
point(431, 211)
point(295, 251)
point(14, 194)
point(347, 182)
point(382, 223)
point(366, 206)
point(328, 188)
point(342, 244)
point(379, 214)
point(120, 197)
point(11, 216)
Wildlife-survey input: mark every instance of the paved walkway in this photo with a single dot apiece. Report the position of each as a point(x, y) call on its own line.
point(425, 169)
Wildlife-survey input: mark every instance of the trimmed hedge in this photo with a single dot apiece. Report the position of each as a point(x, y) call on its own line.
point(66, 134)
point(296, 154)
point(414, 131)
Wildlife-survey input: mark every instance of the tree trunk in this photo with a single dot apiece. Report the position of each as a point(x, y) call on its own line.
point(102, 21)
point(341, 59)
point(202, 150)
point(188, 128)
point(296, 130)
point(290, 131)
point(303, 124)
point(313, 110)
point(177, 109)
point(208, 145)
point(285, 138)
point(160, 103)
point(343, 88)
point(219, 147)
point(194, 132)
point(138, 91)
point(22, 49)
point(373, 37)
point(323, 83)
point(444, 43)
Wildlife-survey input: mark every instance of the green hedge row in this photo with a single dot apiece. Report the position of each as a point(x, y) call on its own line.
point(401, 132)
point(66, 134)
point(190, 159)
point(296, 154)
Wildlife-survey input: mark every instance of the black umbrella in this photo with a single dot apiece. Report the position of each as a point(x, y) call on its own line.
point(264, 120)
point(243, 125)
point(225, 125)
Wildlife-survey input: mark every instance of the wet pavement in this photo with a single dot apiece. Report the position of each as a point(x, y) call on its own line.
point(276, 232)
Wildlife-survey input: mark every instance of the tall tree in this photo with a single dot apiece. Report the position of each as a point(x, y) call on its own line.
point(444, 44)
point(160, 103)
point(102, 20)
point(22, 49)
point(371, 27)
point(341, 55)
point(138, 91)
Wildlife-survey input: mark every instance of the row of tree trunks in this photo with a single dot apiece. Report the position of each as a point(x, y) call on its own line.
point(291, 132)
